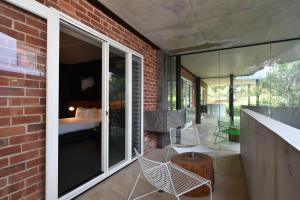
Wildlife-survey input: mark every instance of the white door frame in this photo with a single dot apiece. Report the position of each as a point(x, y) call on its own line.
point(54, 19)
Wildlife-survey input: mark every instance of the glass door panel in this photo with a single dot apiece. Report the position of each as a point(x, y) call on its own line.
point(117, 110)
point(80, 99)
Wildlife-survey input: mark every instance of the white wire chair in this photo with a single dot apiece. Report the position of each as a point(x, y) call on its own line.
point(169, 178)
point(186, 140)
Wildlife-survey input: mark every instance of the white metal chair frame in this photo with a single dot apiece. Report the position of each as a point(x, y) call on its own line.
point(169, 178)
point(186, 147)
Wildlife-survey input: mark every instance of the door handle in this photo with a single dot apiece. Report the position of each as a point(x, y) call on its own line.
point(106, 112)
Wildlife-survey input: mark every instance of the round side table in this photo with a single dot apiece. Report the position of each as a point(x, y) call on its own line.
point(200, 164)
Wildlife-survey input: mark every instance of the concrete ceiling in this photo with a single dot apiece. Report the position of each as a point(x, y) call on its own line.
point(179, 26)
point(240, 61)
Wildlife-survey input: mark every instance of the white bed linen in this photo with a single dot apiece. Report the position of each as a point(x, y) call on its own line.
point(67, 125)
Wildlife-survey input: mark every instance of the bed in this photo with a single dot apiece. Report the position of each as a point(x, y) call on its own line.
point(85, 119)
point(73, 124)
point(84, 126)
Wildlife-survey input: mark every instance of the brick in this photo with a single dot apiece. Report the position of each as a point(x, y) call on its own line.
point(9, 151)
point(36, 195)
point(36, 92)
point(36, 127)
point(41, 168)
point(3, 101)
point(82, 16)
point(3, 162)
point(23, 83)
point(40, 78)
point(33, 145)
point(86, 5)
point(4, 122)
point(4, 81)
point(35, 110)
point(23, 138)
point(23, 157)
point(95, 17)
point(10, 111)
point(35, 162)
point(5, 21)
point(36, 23)
point(3, 182)
point(12, 169)
point(22, 175)
point(11, 13)
point(26, 29)
point(42, 101)
point(35, 179)
point(35, 41)
point(11, 188)
point(3, 142)
point(78, 7)
point(10, 131)
point(23, 101)
point(14, 34)
point(8, 91)
point(23, 193)
point(66, 6)
point(11, 74)
point(42, 84)
point(26, 119)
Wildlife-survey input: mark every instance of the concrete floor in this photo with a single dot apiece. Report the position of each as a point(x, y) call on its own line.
point(229, 178)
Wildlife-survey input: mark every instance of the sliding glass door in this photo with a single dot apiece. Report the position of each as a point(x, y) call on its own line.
point(100, 109)
point(80, 110)
point(117, 105)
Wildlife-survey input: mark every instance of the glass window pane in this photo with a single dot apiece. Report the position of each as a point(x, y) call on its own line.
point(80, 98)
point(136, 103)
point(117, 98)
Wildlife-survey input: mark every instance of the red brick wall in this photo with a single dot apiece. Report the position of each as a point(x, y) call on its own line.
point(150, 142)
point(22, 104)
point(22, 94)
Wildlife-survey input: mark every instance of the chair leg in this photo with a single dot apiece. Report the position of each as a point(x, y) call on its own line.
point(210, 191)
point(136, 181)
point(167, 156)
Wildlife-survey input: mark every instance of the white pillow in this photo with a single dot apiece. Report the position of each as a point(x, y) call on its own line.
point(81, 112)
point(90, 113)
point(94, 113)
point(98, 114)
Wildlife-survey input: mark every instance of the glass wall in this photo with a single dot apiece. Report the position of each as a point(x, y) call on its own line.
point(188, 99)
point(171, 76)
point(264, 75)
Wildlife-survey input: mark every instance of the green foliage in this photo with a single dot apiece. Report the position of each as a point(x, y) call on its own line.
point(282, 85)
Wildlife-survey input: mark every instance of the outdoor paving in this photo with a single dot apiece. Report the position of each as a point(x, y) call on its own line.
point(229, 177)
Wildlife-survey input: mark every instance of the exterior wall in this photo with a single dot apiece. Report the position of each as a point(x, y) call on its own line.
point(22, 107)
point(22, 96)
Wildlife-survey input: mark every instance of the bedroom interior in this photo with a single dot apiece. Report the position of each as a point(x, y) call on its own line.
point(80, 108)
point(79, 111)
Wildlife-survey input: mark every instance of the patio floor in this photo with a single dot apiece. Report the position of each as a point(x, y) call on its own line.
point(229, 177)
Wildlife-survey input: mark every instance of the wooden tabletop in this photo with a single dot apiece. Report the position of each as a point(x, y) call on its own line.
point(192, 158)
